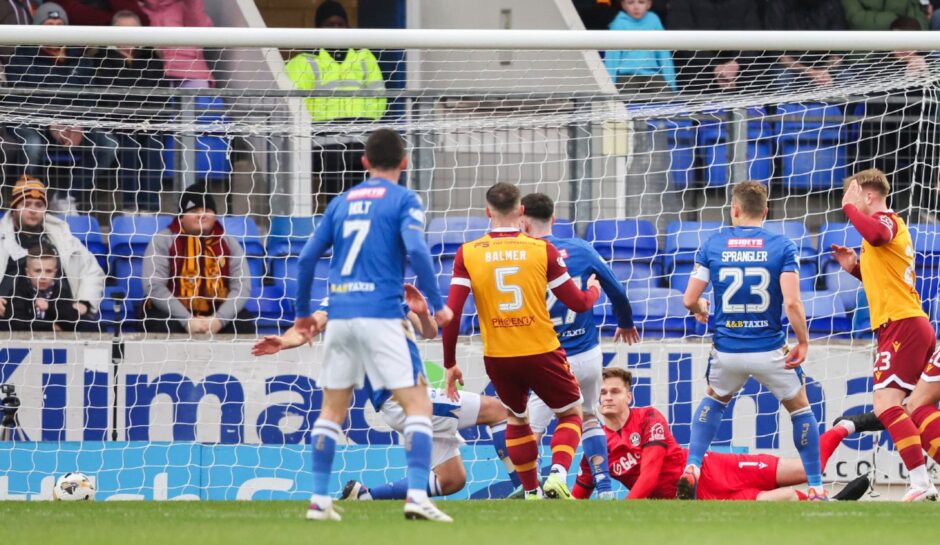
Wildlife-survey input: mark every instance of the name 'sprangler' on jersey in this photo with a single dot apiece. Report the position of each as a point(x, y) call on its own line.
point(744, 264)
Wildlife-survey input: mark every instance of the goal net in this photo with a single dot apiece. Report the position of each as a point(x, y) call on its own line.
point(639, 166)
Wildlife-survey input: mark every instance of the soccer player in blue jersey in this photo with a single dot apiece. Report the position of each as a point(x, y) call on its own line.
point(578, 334)
point(373, 228)
point(469, 410)
point(756, 276)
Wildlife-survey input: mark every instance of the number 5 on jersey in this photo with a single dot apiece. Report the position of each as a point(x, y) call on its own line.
point(503, 286)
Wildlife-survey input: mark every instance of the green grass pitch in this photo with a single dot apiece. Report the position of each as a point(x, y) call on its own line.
point(476, 522)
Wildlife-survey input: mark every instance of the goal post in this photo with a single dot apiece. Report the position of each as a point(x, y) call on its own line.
point(640, 169)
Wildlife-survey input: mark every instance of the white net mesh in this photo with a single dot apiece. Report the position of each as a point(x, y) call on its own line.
point(644, 176)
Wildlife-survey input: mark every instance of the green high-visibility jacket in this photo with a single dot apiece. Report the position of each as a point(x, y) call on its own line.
point(358, 71)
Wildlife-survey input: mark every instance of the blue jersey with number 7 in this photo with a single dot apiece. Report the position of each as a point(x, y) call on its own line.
point(744, 264)
point(375, 228)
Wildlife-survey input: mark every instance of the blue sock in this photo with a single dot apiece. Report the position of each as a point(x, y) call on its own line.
point(594, 443)
point(806, 439)
point(391, 491)
point(498, 433)
point(324, 436)
point(705, 424)
point(418, 453)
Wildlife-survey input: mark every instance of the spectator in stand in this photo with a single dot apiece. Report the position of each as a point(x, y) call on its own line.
point(185, 67)
point(64, 68)
point(339, 164)
point(596, 14)
point(40, 300)
point(716, 70)
point(879, 14)
point(28, 225)
point(933, 14)
point(140, 165)
point(803, 67)
point(14, 12)
point(195, 276)
point(638, 71)
point(100, 12)
point(914, 62)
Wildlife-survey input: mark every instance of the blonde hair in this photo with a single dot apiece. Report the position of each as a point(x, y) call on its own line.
point(871, 178)
point(751, 197)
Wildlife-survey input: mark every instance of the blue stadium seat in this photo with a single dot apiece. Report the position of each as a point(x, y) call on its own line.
point(715, 151)
point(629, 246)
point(88, 230)
point(926, 238)
point(659, 311)
point(129, 238)
point(284, 273)
point(288, 234)
point(812, 150)
point(245, 230)
point(563, 228)
point(469, 319)
point(681, 142)
point(843, 283)
point(825, 313)
point(861, 318)
point(623, 239)
point(447, 234)
point(636, 274)
point(213, 148)
point(799, 234)
point(842, 234)
point(683, 239)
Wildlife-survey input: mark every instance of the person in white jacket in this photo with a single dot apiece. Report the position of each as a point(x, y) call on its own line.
point(28, 224)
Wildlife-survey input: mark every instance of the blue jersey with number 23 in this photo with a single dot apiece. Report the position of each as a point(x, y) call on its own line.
point(744, 265)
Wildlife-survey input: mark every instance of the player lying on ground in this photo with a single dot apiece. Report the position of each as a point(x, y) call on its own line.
point(646, 458)
point(577, 333)
point(509, 274)
point(374, 229)
point(448, 474)
point(756, 275)
point(904, 367)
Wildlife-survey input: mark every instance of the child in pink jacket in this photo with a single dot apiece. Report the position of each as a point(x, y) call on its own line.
point(184, 66)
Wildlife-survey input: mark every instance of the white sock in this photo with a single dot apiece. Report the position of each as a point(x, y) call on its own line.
point(322, 502)
point(919, 478)
point(417, 495)
point(561, 471)
point(434, 486)
point(848, 425)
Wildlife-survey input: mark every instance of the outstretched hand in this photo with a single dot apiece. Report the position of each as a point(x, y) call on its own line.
point(845, 256)
point(415, 300)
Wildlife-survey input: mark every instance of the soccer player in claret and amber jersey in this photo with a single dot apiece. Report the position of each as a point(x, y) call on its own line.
point(904, 367)
point(509, 274)
point(646, 458)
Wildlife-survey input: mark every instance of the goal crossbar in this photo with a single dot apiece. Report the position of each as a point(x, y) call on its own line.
point(303, 38)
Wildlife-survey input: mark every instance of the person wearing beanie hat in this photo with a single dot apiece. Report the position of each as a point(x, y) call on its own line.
point(331, 14)
point(70, 70)
point(50, 10)
point(195, 275)
point(27, 225)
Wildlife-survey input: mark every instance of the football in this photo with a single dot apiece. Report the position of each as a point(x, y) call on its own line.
point(73, 487)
